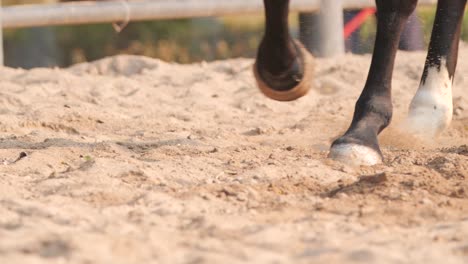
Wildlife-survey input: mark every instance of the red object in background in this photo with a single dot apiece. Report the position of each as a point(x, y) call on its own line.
point(357, 21)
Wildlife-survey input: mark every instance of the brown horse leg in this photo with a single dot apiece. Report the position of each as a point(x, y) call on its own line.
point(432, 107)
point(373, 111)
point(283, 68)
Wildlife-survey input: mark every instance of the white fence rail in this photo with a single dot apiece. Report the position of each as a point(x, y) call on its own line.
point(91, 12)
point(112, 11)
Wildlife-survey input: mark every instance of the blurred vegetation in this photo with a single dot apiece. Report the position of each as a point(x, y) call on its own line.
point(426, 15)
point(181, 41)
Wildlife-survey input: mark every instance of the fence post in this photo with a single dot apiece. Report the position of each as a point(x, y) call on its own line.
point(322, 32)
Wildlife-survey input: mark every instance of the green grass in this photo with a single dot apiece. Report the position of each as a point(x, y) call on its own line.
point(181, 40)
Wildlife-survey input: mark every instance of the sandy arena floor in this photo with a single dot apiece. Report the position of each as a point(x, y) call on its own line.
point(133, 160)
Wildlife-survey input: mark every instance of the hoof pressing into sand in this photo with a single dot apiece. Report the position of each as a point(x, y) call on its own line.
point(355, 155)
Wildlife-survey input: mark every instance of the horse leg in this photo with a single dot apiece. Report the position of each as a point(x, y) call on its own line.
point(373, 110)
point(432, 107)
point(283, 68)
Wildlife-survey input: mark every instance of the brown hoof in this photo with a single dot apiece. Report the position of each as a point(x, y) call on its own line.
point(296, 92)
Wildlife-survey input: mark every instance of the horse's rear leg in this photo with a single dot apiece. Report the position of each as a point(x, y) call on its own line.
point(431, 108)
point(283, 68)
point(373, 111)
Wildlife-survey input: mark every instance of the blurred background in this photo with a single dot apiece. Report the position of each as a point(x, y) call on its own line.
point(183, 41)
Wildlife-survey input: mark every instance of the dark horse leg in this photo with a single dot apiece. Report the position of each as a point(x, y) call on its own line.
point(373, 110)
point(431, 108)
point(283, 68)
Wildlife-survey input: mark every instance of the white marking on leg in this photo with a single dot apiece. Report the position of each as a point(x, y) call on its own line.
point(355, 155)
point(431, 109)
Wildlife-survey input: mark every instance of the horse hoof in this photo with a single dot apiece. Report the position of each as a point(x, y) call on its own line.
point(431, 109)
point(296, 92)
point(355, 155)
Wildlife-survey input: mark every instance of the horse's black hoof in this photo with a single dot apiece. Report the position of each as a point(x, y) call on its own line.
point(303, 84)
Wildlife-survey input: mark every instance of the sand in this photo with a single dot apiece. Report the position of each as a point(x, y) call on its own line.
point(134, 160)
